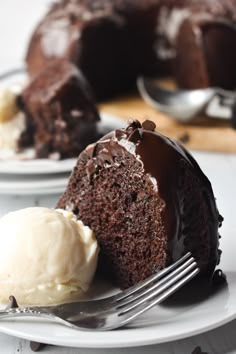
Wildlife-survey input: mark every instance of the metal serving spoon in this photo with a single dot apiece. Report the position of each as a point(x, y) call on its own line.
point(183, 105)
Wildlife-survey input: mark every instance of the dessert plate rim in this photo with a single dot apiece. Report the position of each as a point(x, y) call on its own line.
point(145, 331)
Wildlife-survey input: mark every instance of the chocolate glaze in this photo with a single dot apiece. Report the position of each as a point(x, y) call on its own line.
point(161, 159)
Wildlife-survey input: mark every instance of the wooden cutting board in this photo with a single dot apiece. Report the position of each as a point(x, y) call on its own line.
point(201, 134)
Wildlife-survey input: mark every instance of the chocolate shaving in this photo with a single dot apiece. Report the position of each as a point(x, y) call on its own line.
point(35, 346)
point(198, 350)
point(90, 150)
point(219, 278)
point(133, 123)
point(221, 219)
point(135, 136)
point(149, 125)
point(13, 303)
point(106, 155)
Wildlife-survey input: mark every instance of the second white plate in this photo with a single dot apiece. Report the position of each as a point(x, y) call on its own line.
point(45, 166)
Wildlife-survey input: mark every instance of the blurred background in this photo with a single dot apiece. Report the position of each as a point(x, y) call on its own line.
point(17, 20)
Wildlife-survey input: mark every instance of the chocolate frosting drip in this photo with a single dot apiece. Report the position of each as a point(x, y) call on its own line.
point(161, 159)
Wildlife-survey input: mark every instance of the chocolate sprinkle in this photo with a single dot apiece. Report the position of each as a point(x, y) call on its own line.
point(13, 303)
point(35, 346)
point(135, 136)
point(221, 219)
point(149, 125)
point(219, 278)
point(133, 124)
point(198, 350)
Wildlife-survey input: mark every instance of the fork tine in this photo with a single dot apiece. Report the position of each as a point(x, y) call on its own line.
point(155, 291)
point(147, 306)
point(156, 283)
point(126, 293)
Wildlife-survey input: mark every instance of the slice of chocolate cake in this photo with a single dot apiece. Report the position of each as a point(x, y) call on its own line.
point(60, 112)
point(147, 201)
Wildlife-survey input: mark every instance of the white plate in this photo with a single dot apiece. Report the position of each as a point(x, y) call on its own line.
point(19, 185)
point(40, 183)
point(33, 191)
point(45, 166)
point(40, 166)
point(35, 187)
point(161, 324)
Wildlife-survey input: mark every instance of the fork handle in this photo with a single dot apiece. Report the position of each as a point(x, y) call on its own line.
point(26, 311)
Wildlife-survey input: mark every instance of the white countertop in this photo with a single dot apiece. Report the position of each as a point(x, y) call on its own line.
point(16, 21)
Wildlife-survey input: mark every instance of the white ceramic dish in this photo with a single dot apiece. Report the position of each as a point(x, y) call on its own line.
point(161, 324)
point(20, 186)
point(33, 192)
point(40, 166)
point(46, 166)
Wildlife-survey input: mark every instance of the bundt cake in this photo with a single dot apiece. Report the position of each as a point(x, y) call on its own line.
point(105, 39)
point(114, 41)
point(61, 117)
point(147, 201)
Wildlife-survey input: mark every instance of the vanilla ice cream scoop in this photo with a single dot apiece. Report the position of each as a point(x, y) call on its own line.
point(12, 121)
point(8, 105)
point(46, 256)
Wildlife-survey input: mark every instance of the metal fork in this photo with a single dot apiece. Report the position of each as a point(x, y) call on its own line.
point(117, 310)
